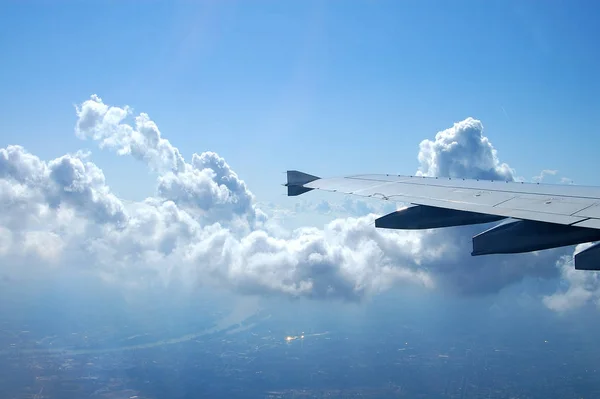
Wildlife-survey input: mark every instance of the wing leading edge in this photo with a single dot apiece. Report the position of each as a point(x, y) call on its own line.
point(544, 215)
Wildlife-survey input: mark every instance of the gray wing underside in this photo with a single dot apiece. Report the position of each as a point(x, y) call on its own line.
point(550, 208)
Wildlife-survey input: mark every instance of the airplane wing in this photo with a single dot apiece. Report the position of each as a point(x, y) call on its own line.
point(543, 215)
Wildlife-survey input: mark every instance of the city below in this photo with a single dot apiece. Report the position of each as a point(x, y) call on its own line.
point(256, 359)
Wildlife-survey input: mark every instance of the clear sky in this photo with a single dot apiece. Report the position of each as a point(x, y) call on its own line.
point(328, 87)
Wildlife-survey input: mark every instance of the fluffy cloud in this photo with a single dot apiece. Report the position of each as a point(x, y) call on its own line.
point(201, 226)
point(69, 180)
point(204, 227)
point(462, 151)
point(142, 140)
point(578, 288)
point(207, 183)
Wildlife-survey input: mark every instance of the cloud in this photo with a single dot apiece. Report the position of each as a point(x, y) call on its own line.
point(462, 151)
point(566, 180)
point(203, 226)
point(348, 206)
point(32, 187)
point(206, 184)
point(578, 288)
point(461, 273)
point(143, 140)
point(45, 204)
point(546, 172)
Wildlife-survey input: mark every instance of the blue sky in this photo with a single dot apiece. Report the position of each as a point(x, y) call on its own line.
point(327, 87)
point(154, 241)
point(163, 237)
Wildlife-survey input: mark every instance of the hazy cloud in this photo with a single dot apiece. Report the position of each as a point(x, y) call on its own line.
point(546, 172)
point(346, 206)
point(578, 287)
point(566, 180)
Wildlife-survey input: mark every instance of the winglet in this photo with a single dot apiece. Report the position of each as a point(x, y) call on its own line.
point(296, 181)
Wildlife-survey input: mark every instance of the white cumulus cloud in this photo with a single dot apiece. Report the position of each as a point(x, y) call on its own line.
point(207, 183)
point(203, 225)
point(462, 151)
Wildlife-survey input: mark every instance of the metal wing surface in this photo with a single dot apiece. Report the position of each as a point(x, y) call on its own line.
point(548, 215)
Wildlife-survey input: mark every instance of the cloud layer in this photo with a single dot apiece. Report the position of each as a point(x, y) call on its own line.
point(203, 225)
